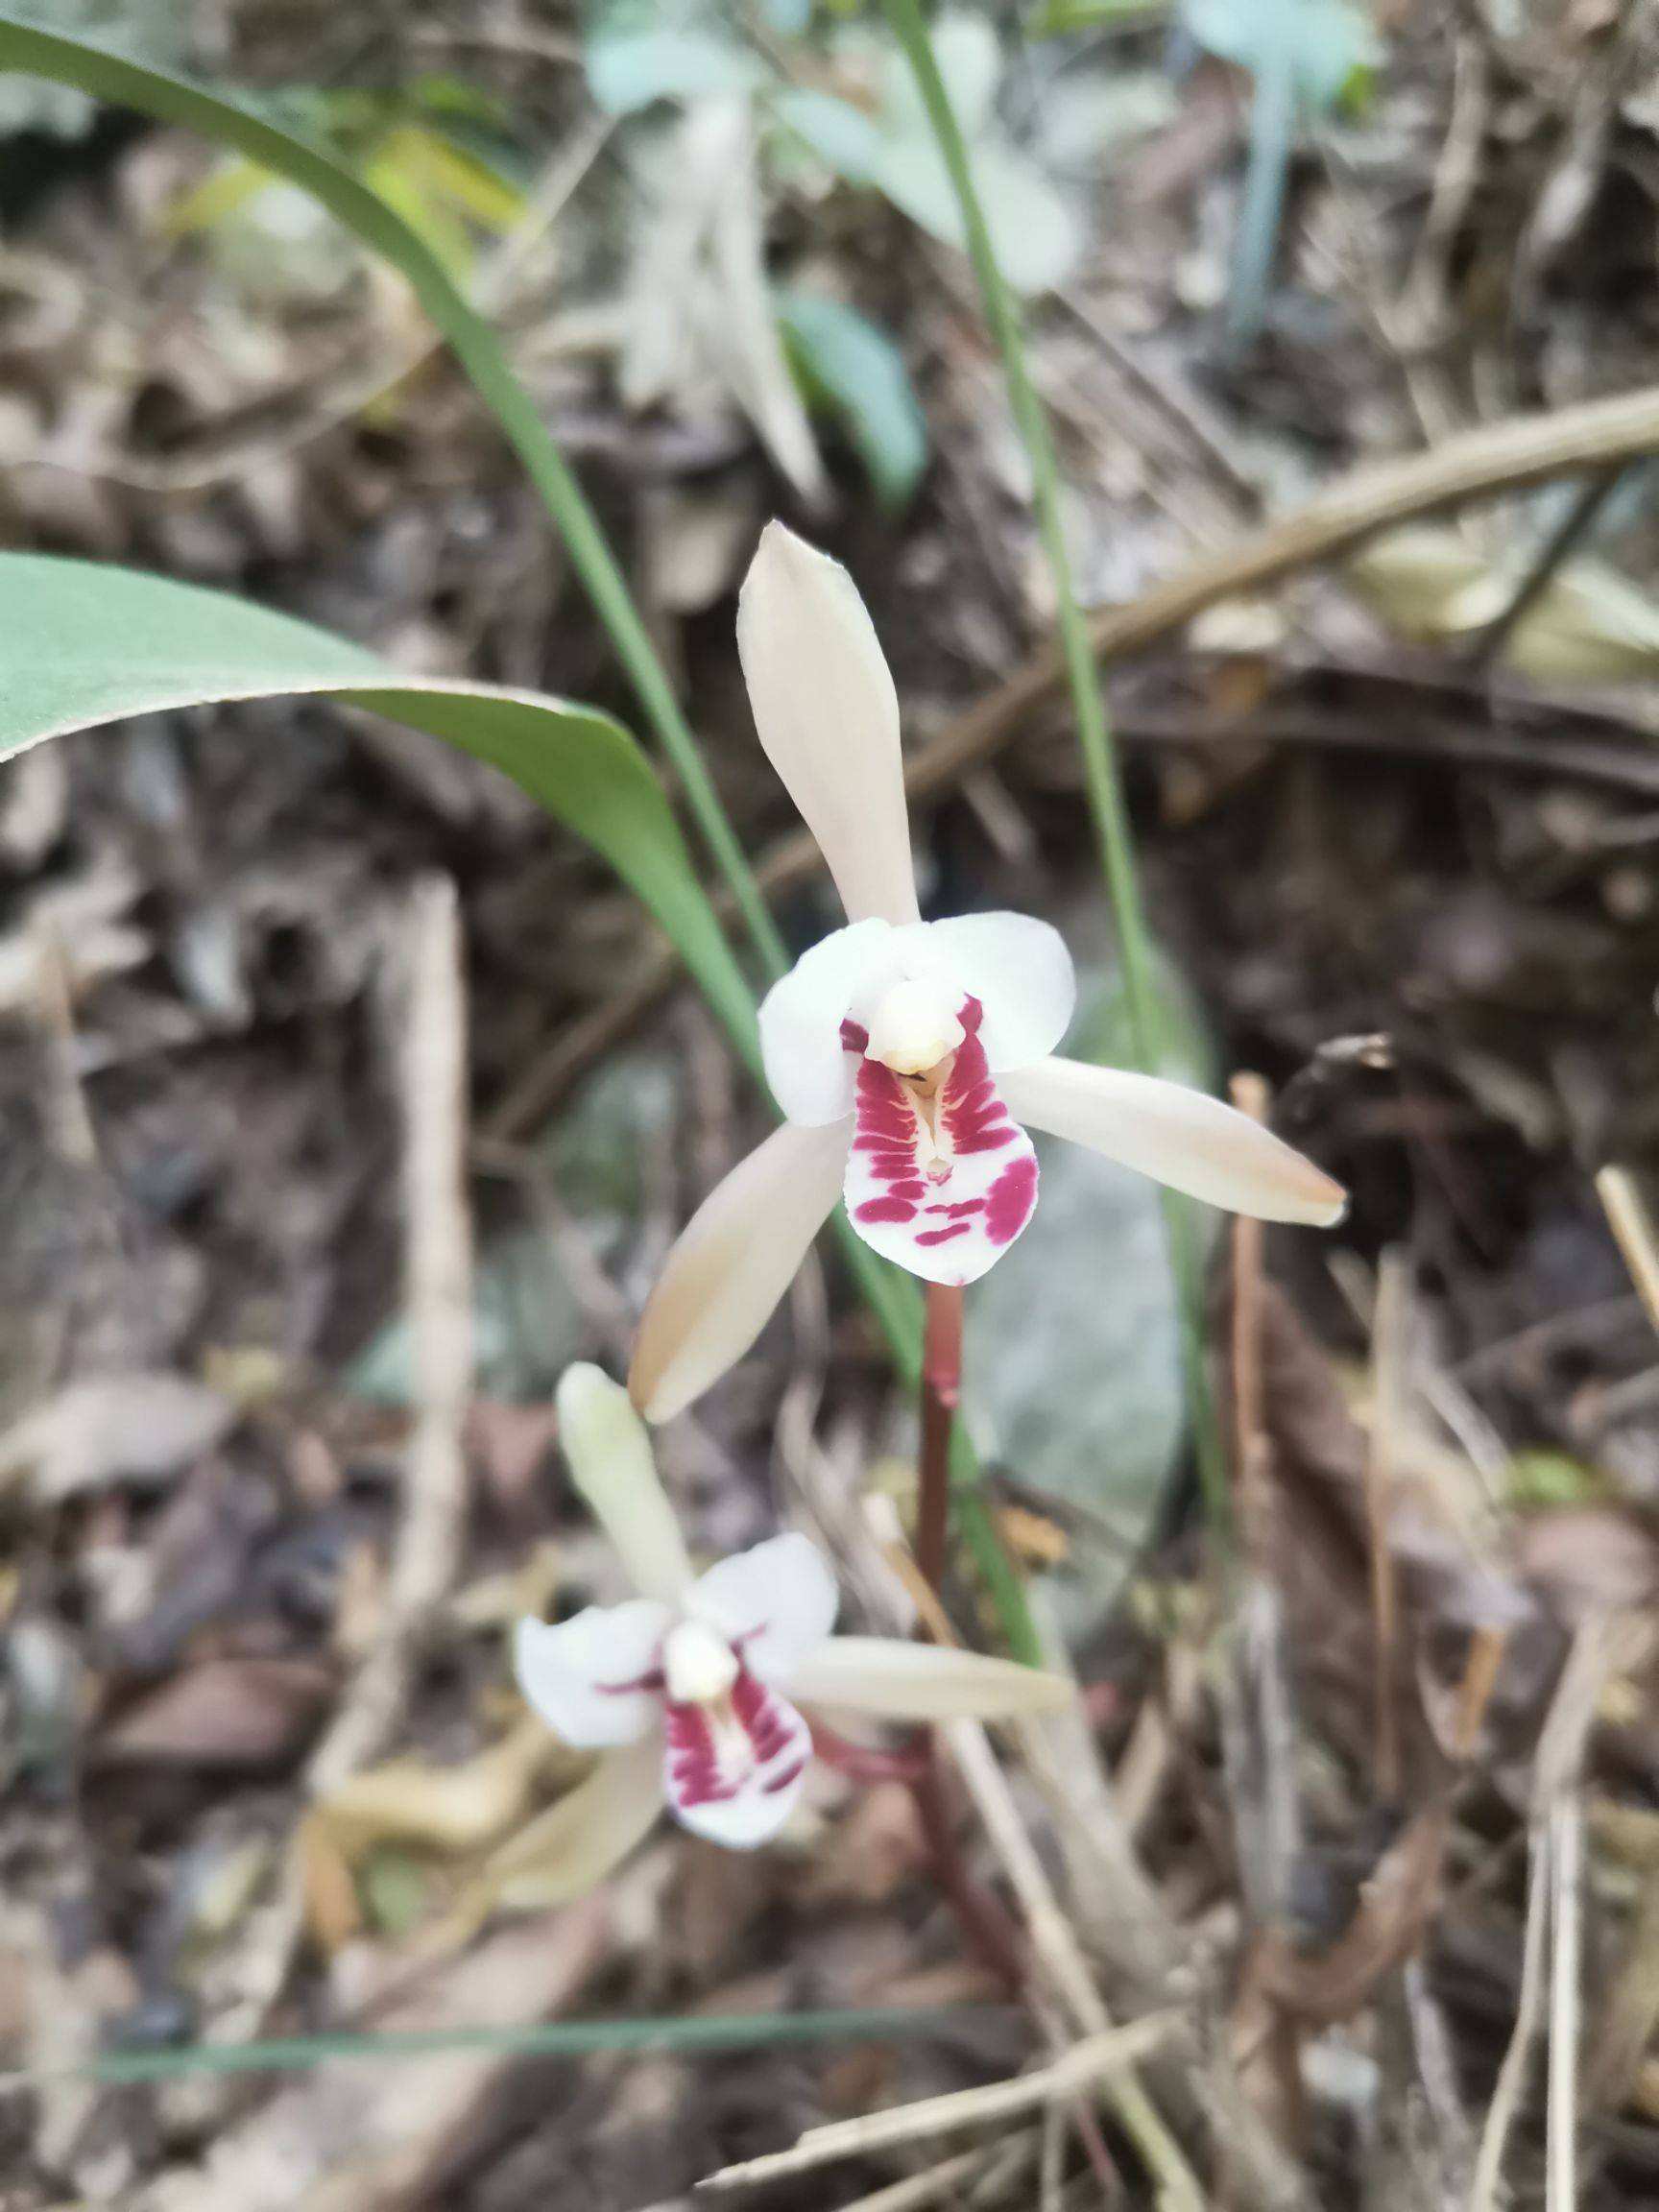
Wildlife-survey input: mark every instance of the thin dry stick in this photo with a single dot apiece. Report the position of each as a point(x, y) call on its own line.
point(1555, 1777)
point(439, 1272)
point(1057, 1951)
point(438, 1264)
point(1486, 647)
point(1387, 1357)
point(1096, 2059)
point(1249, 1424)
point(1566, 1907)
point(918, 2190)
point(1518, 2057)
point(1633, 1232)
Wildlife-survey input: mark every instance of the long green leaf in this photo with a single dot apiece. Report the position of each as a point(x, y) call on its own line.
point(555, 2039)
point(170, 99)
point(82, 644)
point(194, 106)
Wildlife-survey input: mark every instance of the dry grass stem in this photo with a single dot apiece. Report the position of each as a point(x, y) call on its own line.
point(1082, 2066)
point(1633, 1231)
point(1388, 1384)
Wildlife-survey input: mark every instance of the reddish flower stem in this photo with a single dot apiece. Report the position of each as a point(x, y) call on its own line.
point(862, 1763)
point(987, 1927)
point(941, 1392)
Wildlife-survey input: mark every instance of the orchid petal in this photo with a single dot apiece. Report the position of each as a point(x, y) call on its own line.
point(1016, 967)
point(773, 1604)
point(733, 1262)
point(829, 719)
point(570, 1848)
point(733, 1770)
point(809, 1064)
point(1178, 1136)
point(946, 1211)
point(895, 1681)
point(608, 1449)
point(595, 1679)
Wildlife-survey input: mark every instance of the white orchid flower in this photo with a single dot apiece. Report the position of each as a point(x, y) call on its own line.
point(906, 1055)
point(695, 1685)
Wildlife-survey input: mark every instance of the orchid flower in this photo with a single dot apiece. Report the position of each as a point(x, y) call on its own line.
point(906, 1056)
point(690, 1688)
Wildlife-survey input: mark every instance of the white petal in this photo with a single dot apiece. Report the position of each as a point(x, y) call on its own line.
point(733, 1261)
point(947, 1208)
point(773, 1604)
point(596, 1678)
point(923, 1682)
point(732, 1772)
point(1016, 967)
point(609, 1448)
point(828, 718)
point(1178, 1136)
point(571, 1847)
point(810, 1068)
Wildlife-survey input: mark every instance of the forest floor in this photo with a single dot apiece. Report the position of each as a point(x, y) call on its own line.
point(1398, 853)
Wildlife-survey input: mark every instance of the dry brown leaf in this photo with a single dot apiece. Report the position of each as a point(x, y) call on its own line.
point(235, 1713)
point(449, 1809)
point(139, 1427)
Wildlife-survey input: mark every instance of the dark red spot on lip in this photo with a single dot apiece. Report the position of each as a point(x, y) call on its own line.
point(855, 1037)
point(942, 1236)
point(885, 1210)
point(1009, 1201)
point(959, 1211)
point(974, 1118)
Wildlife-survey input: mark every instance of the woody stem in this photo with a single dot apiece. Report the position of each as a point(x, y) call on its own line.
point(983, 1923)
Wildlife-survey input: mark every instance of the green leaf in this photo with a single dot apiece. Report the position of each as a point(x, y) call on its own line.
point(857, 370)
point(844, 138)
point(629, 71)
point(1088, 1409)
point(82, 645)
point(261, 138)
point(1325, 44)
point(152, 30)
point(688, 2033)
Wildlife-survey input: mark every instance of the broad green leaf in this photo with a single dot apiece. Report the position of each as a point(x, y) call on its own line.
point(844, 138)
point(857, 370)
point(1035, 229)
point(1305, 56)
point(82, 645)
point(1089, 1408)
point(1323, 44)
point(629, 72)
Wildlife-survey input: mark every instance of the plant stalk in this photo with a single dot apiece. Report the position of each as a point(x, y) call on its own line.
point(1102, 773)
point(940, 1394)
point(987, 1927)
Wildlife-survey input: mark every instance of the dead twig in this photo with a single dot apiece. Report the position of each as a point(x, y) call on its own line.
point(439, 1271)
point(1487, 646)
point(1388, 1371)
point(1095, 2059)
point(1634, 1234)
